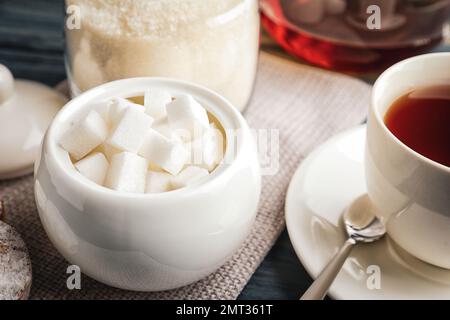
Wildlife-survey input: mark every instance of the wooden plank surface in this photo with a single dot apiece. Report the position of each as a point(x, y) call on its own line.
point(32, 46)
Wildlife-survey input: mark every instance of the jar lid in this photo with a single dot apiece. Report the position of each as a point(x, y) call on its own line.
point(26, 110)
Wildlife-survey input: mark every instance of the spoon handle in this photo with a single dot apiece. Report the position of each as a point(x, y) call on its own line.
point(320, 286)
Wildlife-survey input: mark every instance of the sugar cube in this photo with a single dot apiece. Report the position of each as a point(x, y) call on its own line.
point(207, 151)
point(168, 154)
point(131, 131)
point(158, 182)
point(188, 176)
point(118, 106)
point(108, 150)
point(136, 148)
point(155, 101)
point(182, 135)
point(186, 113)
point(85, 136)
point(93, 167)
point(163, 127)
point(104, 109)
point(127, 173)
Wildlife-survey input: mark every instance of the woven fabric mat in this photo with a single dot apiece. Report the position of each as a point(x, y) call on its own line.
point(307, 105)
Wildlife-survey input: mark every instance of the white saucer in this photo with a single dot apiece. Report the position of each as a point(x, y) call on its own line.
point(324, 184)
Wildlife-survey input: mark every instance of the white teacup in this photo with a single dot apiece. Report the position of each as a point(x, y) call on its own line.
point(411, 192)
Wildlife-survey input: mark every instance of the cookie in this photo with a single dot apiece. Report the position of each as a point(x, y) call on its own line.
point(15, 265)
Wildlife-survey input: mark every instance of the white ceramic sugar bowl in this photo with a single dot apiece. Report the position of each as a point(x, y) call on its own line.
point(149, 242)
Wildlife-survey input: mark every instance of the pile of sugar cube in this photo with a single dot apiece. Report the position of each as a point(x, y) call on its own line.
point(166, 144)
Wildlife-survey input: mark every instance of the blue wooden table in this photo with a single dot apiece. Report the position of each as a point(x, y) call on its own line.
point(32, 45)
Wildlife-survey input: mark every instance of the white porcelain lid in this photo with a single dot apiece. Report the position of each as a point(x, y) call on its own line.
point(26, 110)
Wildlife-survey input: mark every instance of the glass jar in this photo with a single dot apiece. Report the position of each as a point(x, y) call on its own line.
point(213, 43)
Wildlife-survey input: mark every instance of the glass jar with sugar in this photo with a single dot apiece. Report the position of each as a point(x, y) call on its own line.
point(213, 43)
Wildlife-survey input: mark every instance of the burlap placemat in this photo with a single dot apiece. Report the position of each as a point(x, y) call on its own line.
point(307, 106)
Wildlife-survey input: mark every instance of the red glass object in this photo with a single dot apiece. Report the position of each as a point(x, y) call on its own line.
point(342, 42)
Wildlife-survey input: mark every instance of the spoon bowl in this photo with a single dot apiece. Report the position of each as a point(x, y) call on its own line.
point(361, 222)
